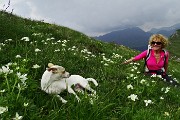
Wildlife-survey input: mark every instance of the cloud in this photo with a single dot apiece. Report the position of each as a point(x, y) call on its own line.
point(94, 17)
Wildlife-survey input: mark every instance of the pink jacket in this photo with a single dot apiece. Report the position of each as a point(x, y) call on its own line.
point(152, 64)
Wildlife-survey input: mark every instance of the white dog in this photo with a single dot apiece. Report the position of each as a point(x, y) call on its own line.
point(55, 80)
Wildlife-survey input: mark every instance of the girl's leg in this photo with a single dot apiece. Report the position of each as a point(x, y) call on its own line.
point(170, 80)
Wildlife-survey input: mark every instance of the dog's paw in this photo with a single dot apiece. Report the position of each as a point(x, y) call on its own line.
point(78, 99)
point(63, 101)
point(60, 98)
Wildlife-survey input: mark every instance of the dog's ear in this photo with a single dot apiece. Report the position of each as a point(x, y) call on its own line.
point(52, 69)
point(50, 65)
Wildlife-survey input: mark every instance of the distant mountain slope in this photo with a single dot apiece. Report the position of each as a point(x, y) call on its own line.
point(134, 38)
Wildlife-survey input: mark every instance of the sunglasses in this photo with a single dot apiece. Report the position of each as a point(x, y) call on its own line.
point(157, 43)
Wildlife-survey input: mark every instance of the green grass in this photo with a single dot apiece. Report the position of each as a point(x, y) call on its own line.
point(174, 44)
point(82, 55)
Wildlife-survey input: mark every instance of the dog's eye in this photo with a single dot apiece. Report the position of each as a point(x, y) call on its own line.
point(63, 72)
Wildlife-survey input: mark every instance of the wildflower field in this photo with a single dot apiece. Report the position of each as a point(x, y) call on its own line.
point(123, 93)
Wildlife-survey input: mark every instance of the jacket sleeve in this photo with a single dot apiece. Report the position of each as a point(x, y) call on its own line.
point(140, 56)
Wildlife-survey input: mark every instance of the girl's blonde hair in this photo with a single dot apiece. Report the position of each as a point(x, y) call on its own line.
point(163, 39)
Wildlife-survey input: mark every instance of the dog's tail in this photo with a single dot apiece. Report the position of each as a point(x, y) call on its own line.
point(93, 80)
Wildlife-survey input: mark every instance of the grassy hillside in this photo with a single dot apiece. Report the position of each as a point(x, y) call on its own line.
point(27, 46)
point(174, 44)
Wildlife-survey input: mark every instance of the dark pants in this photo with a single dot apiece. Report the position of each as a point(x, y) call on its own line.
point(166, 78)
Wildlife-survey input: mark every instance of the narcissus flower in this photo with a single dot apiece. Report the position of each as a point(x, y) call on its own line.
point(133, 97)
point(148, 102)
point(129, 86)
point(17, 117)
point(3, 109)
point(36, 66)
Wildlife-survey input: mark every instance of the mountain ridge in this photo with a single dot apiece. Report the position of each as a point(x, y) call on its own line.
point(135, 37)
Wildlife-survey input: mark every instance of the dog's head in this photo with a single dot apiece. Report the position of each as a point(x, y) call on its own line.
point(59, 70)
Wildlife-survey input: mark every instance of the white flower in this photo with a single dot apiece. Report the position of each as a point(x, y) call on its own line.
point(2, 44)
point(17, 68)
point(135, 67)
point(57, 50)
point(91, 101)
point(12, 64)
point(93, 56)
point(153, 75)
point(59, 41)
point(37, 50)
point(26, 104)
point(36, 66)
point(162, 89)
point(3, 109)
point(18, 56)
point(52, 38)
point(167, 89)
point(166, 113)
point(9, 39)
point(143, 81)
point(17, 117)
point(2, 91)
point(133, 97)
point(9, 64)
point(131, 75)
point(161, 98)
point(19, 86)
point(106, 64)
point(23, 77)
point(129, 86)
point(24, 60)
point(25, 39)
point(73, 47)
point(48, 39)
point(159, 76)
point(64, 45)
point(6, 70)
point(148, 102)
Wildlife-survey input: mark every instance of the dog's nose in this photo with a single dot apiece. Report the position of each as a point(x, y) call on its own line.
point(69, 74)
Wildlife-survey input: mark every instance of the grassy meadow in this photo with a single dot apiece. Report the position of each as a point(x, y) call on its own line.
point(123, 93)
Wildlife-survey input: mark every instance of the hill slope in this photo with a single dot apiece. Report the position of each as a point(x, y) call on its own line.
point(26, 47)
point(174, 44)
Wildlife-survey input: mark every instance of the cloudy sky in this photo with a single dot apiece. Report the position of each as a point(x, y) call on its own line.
point(97, 17)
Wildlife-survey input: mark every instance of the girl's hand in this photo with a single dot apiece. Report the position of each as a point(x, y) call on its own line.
point(128, 61)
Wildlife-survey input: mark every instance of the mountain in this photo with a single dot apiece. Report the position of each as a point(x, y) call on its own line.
point(167, 31)
point(134, 38)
